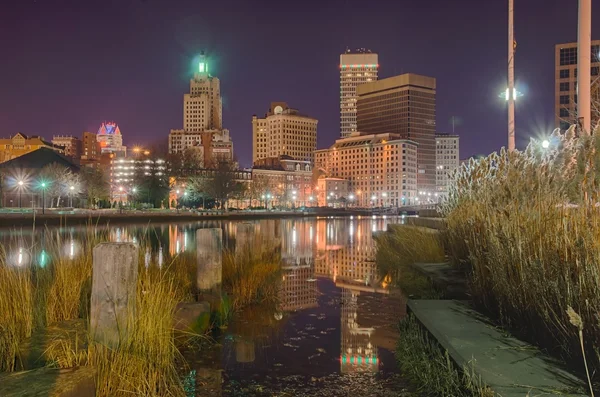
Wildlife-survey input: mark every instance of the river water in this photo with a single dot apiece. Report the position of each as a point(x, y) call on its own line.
point(333, 333)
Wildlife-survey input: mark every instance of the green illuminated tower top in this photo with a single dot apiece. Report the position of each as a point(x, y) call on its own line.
point(202, 65)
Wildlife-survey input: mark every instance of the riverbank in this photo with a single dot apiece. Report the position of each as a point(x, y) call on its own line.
point(80, 217)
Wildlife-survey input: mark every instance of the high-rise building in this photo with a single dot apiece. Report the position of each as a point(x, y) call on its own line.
point(356, 67)
point(403, 105)
point(127, 173)
point(110, 139)
point(381, 168)
point(72, 146)
point(447, 160)
point(202, 107)
point(565, 97)
point(284, 132)
point(202, 120)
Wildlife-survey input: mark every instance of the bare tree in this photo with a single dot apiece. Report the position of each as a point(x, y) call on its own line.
point(57, 179)
point(220, 183)
point(95, 185)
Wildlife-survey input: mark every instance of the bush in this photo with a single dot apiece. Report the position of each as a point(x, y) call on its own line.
point(527, 226)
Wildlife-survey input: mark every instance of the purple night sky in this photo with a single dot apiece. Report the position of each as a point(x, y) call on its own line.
point(67, 66)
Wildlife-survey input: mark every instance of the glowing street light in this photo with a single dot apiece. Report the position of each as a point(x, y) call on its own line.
point(20, 183)
point(43, 186)
point(71, 190)
point(545, 144)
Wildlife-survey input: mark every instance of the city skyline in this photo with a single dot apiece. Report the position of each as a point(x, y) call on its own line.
point(136, 77)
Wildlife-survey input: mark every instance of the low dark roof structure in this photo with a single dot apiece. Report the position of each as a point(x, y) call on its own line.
point(38, 159)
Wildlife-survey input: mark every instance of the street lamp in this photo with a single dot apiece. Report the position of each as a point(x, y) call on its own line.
point(177, 200)
point(120, 199)
point(20, 183)
point(71, 189)
point(310, 199)
point(43, 185)
point(545, 144)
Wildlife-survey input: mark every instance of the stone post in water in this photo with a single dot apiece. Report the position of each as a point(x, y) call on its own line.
point(114, 285)
point(209, 260)
point(243, 237)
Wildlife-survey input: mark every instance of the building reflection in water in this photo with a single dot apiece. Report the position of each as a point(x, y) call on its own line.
point(346, 254)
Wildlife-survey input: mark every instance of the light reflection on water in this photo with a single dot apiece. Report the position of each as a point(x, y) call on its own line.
point(335, 320)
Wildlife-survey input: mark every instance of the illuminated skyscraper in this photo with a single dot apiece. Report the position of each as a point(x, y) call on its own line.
point(356, 67)
point(202, 107)
point(110, 139)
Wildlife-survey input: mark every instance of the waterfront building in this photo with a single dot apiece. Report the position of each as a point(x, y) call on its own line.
point(333, 192)
point(356, 67)
point(20, 144)
point(565, 84)
point(447, 160)
point(403, 105)
point(381, 169)
point(110, 139)
point(283, 181)
point(71, 145)
point(284, 131)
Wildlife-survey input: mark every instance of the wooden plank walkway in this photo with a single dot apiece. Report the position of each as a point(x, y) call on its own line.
point(507, 365)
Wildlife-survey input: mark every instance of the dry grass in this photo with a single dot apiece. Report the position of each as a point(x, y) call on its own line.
point(16, 311)
point(527, 227)
point(252, 276)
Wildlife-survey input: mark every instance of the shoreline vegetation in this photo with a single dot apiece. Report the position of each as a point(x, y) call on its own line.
point(524, 227)
point(36, 297)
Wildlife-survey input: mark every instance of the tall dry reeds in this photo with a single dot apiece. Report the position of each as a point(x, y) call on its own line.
point(16, 311)
point(526, 225)
point(252, 276)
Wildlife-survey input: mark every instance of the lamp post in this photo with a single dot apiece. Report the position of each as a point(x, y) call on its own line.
point(310, 200)
point(268, 198)
point(71, 189)
point(43, 197)
point(177, 201)
point(120, 199)
point(20, 192)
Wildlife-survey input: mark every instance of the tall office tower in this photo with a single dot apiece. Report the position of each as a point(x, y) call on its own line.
point(110, 139)
point(284, 131)
point(403, 105)
point(447, 160)
point(202, 107)
point(565, 97)
point(356, 67)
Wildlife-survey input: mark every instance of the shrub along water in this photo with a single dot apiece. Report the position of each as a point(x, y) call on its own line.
point(526, 226)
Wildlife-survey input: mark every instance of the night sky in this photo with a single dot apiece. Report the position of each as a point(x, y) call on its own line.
point(66, 66)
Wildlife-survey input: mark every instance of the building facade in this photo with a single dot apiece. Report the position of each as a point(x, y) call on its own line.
point(208, 146)
point(565, 86)
point(403, 105)
point(284, 132)
point(381, 168)
point(356, 67)
point(91, 149)
point(447, 160)
point(110, 139)
point(126, 173)
point(333, 192)
point(283, 182)
point(21, 144)
point(71, 145)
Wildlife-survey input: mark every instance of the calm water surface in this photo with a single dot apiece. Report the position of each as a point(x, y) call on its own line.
point(333, 333)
